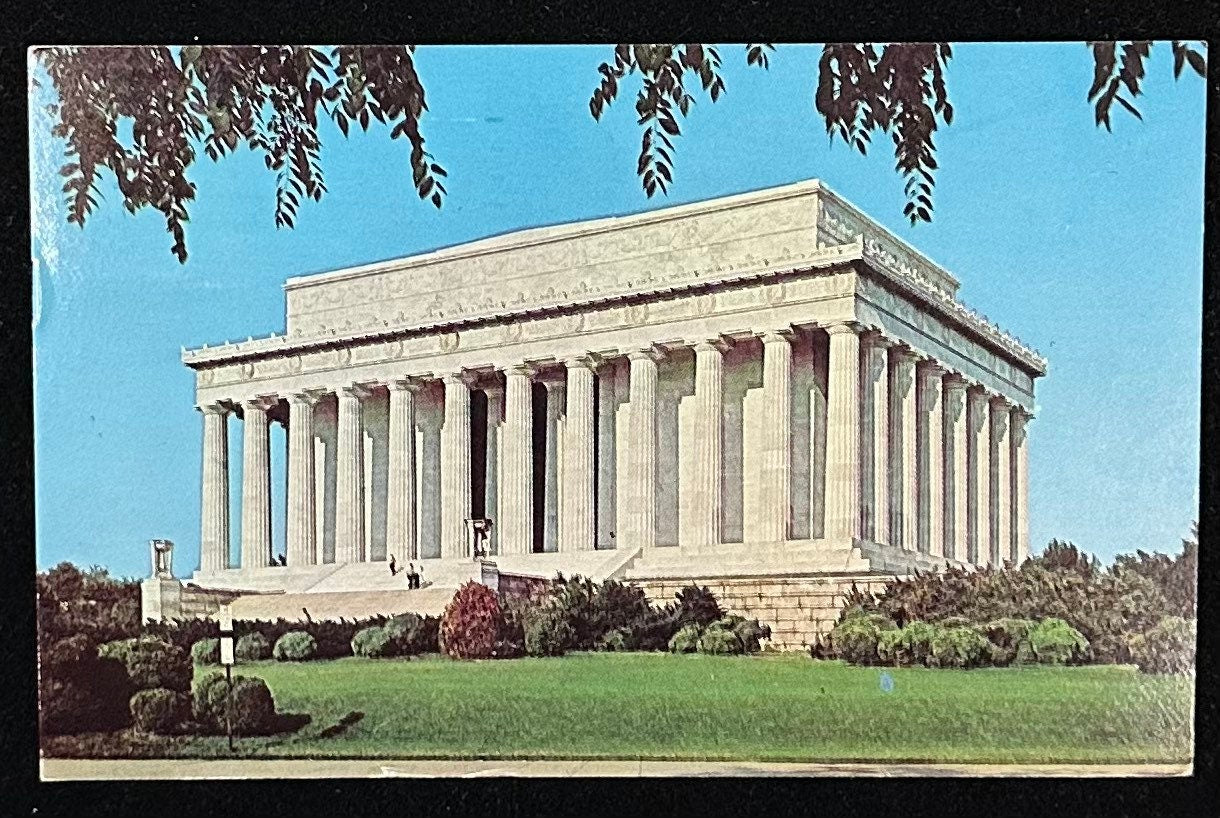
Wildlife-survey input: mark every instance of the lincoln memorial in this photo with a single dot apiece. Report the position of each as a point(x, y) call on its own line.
point(767, 393)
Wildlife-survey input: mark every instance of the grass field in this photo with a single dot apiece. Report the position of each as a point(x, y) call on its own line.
point(661, 706)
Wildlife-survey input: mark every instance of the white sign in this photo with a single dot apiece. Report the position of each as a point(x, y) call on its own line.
point(226, 650)
point(225, 617)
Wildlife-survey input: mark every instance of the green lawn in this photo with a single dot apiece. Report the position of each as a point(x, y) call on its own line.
point(661, 706)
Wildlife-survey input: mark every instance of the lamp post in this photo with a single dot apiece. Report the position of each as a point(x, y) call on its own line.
point(225, 616)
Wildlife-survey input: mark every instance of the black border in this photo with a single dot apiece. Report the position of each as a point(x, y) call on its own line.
point(511, 21)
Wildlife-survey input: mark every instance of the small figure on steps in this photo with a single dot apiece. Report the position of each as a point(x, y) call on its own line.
point(393, 566)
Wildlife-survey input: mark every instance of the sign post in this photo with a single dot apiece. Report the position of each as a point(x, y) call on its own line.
point(225, 616)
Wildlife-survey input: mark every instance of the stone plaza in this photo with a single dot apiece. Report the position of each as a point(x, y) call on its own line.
point(766, 393)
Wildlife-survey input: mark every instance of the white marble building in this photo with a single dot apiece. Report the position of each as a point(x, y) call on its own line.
point(764, 384)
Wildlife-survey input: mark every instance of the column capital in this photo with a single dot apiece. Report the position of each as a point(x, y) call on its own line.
point(931, 369)
point(219, 407)
point(404, 384)
point(493, 390)
point(715, 343)
point(649, 353)
point(955, 381)
point(353, 390)
point(305, 397)
point(521, 370)
point(262, 403)
point(587, 360)
point(903, 352)
point(843, 327)
point(462, 377)
point(1000, 403)
point(1020, 413)
point(775, 336)
point(875, 338)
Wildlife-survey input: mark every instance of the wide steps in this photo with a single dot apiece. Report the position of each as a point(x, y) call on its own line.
point(341, 605)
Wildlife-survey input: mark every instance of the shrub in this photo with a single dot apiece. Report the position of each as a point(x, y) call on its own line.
point(159, 710)
point(655, 630)
point(547, 632)
point(1010, 641)
point(1056, 642)
point(686, 640)
point(374, 643)
point(909, 645)
point(855, 639)
point(748, 631)
point(252, 706)
point(412, 634)
point(71, 649)
point(618, 639)
point(697, 606)
point(252, 647)
point(118, 649)
point(959, 647)
point(720, 640)
point(206, 652)
point(471, 623)
point(82, 695)
point(295, 646)
point(153, 663)
point(1168, 647)
point(510, 631)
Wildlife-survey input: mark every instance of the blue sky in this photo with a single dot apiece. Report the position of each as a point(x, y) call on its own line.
point(1086, 245)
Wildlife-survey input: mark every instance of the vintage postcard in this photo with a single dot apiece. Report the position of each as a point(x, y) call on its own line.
point(712, 409)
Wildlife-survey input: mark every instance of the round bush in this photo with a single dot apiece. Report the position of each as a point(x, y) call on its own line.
point(1055, 642)
point(686, 640)
point(252, 706)
point(206, 652)
point(855, 639)
point(618, 639)
point(373, 643)
point(159, 710)
point(910, 645)
point(1167, 647)
point(295, 646)
point(959, 647)
point(471, 623)
point(252, 647)
point(719, 640)
point(413, 634)
point(118, 649)
point(153, 663)
point(547, 632)
point(1010, 640)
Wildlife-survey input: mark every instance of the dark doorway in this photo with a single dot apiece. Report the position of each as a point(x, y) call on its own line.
point(539, 442)
point(478, 454)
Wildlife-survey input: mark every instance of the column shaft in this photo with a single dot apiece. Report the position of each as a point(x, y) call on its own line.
point(256, 486)
point(400, 491)
point(843, 434)
point(932, 461)
point(302, 508)
point(516, 488)
point(555, 407)
point(980, 478)
point(703, 528)
point(956, 465)
point(1020, 445)
point(875, 440)
point(1001, 467)
point(577, 512)
point(776, 484)
point(641, 477)
point(455, 468)
point(349, 477)
point(904, 494)
point(214, 537)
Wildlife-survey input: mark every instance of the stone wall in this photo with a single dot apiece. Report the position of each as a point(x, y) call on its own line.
point(167, 599)
point(798, 608)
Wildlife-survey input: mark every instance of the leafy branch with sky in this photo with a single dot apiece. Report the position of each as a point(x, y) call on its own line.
point(1087, 244)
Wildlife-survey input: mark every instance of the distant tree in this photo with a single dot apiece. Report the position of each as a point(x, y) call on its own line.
point(72, 602)
point(271, 98)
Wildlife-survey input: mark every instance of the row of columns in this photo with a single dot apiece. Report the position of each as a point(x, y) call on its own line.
point(914, 458)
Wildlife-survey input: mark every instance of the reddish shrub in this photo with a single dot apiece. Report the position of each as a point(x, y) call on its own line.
point(471, 622)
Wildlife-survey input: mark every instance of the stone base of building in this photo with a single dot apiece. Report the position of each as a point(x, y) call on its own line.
point(162, 598)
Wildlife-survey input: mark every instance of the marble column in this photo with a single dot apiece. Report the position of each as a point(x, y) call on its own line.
point(256, 484)
point(455, 468)
point(516, 487)
point(775, 523)
point(956, 464)
point(875, 438)
point(349, 476)
point(1001, 477)
point(979, 477)
point(491, 463)
point(903, 474)
point(302, 483)
point(578, 521)
point(640, 481)
point(702, 530)
point(1020, 447)
point(932, 459)
point(400, 489)
point(214, 536)
point(552, 482)
point(843, 434)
